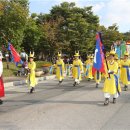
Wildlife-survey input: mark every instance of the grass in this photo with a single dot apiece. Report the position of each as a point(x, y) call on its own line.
point(12, 71)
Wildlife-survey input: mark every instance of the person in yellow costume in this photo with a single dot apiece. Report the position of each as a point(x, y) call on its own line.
point(60, 68)
point(89, 65)
point(77, 69)
point(31, 79)
point(86, 66)
point(125, 72)
point(111, 84)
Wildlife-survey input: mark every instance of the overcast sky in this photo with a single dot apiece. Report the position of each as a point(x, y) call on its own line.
point(109, 11)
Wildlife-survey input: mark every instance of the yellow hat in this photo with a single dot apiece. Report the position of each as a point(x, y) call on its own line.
point(116, 58)
point(88, 56)
point(59, 54)
point(31, 55)
point(112, 52)
point(126, 54)
point(91, 57)
point(107, 55)
point(76, 54)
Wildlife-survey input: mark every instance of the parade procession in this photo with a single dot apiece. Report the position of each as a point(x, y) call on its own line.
point(64, 65)
point(99, 67)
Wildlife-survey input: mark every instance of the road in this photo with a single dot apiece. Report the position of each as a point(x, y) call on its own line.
point(64, 107)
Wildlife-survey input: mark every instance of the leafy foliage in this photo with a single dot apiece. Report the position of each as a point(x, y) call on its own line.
point(66, 28)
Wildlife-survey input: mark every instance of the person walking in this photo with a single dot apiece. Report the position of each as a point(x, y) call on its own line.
point(111, 84)
point(31, 79)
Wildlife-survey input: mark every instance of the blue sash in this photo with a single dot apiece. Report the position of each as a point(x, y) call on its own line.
point(60, 66)
point(87, 67)
point(87, 72)
point(128, 73)
point(116, 81)
point(68, 69)
point(78, 69)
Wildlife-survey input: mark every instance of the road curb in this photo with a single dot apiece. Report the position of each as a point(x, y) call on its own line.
point(21, 82)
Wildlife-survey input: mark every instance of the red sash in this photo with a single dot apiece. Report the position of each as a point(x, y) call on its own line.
point(2, 93)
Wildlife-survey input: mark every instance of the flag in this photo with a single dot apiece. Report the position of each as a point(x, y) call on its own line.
point(15, 55)
point(99, 55)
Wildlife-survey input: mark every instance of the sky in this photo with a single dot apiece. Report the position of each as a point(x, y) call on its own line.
point(109, 11)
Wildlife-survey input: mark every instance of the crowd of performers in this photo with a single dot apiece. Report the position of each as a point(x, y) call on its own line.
point(117, 72)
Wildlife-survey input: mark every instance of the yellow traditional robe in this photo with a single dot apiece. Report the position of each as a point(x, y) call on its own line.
point(88, 72)
point(77, 68)
point(60, 68)
point(31, 76)
point(110, 82)
point(124, 77)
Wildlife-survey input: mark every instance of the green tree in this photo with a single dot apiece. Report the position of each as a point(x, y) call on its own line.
point(126, 36)
point(32, 35)
point(110, 35)
point(13, 20)
point(78, 29)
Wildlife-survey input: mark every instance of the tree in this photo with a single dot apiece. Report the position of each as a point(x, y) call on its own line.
point(126, 36)
point(110, 35)
point(32, 36)
point(78, 29)
point(13, 20)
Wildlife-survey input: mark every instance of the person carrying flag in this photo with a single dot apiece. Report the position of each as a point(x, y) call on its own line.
point(111, 84)
point(98, 62)
point(2, 93)
point(125, 74)
point(31, 79)
point(77, 69)
point(60, 68)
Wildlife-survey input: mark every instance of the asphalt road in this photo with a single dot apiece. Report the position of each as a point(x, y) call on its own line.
point(64, 107)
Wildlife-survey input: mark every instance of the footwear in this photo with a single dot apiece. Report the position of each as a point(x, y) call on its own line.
point(106, 102)
point(125, 88)
point(96, 85)
point(88, 79)
point(114, 100)
point(74, 84)
point(32, 89)
point(60, 82)
point(1, 102)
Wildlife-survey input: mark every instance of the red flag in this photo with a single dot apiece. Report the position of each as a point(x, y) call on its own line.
point(16, 56)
